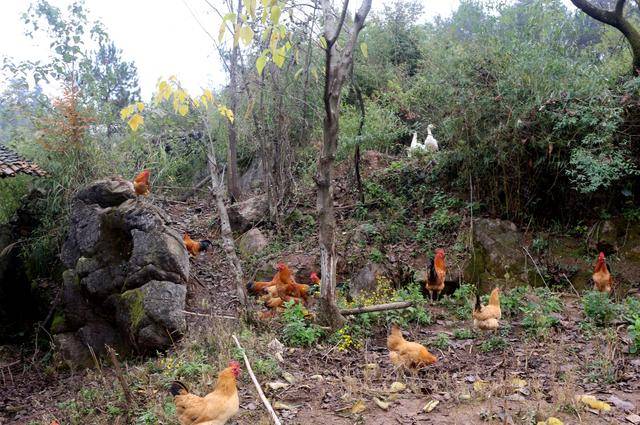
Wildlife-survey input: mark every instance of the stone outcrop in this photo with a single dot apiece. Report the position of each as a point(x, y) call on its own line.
point(127, 270)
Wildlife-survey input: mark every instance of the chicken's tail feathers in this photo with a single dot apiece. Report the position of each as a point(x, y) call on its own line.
point(432, 270)
point(205, 244)
point(178, 388)
point(478, 305)
point(250, 286)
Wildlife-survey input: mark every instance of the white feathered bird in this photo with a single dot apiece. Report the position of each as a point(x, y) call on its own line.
point(430, 142)
point(415, 145)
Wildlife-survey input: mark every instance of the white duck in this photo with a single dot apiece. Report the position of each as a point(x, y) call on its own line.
point(415, 145)
point(430, 142)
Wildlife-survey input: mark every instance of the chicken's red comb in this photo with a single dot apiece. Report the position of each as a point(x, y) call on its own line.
point(314, 276)
point(234, 363)
point(601, 256)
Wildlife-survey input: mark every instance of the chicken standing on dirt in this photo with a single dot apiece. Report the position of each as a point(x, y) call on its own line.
point(216, 408)
point(436, 274)
point(601, 277)
point(403, 353)
point(487, 317)
point(141, 183)
point(195, 247)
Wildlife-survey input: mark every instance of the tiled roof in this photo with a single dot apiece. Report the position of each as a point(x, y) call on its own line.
point(11, 164)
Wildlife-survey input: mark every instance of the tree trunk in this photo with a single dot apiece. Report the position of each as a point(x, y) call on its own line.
point(232, 177)
point(228, 244)
point(337, 65)
point(616, 19)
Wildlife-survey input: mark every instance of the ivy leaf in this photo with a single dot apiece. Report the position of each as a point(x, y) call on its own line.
point(275, 14)
point(246, 34)
point(323, 42)
point(365, 50)
point(260, 63)
point(136, 121)
point(278, 56)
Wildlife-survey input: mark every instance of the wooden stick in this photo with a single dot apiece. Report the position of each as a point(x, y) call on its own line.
point(264, 399)
point(198, 186)
point(379, 307)
point(536, 266)
point(209, 315)
point(125, 386)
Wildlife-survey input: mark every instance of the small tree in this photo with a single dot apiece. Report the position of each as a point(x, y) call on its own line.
point(337, 66)
point(616, 19)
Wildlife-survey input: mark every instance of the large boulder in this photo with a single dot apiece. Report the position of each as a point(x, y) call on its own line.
point(246, 214)
point(252, 243)
point(127, 270)
point(498, 256)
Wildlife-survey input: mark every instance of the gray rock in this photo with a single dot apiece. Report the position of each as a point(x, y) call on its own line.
point(107, 193)
point(243, 215)
point(151, 313)
point(365, 279)
point(498, 253)
point(252, 242)
point(126, 270)
point(71, 351)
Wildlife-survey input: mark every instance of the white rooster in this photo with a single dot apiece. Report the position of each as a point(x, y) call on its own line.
point(430, 142)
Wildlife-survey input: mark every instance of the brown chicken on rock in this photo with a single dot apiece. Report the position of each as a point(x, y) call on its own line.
point(487, 317)
point(216, 408)
point(141, 183)
point(436, 274)
point(403, 353)
point(602, 280)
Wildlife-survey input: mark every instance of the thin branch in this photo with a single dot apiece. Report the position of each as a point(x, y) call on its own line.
point(264, 399)
point(379, 307)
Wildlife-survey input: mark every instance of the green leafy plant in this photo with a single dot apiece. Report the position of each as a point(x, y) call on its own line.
point(441, 341)
point(599, 308)
point(463, 334)
point(634, 336)
point(297, 330)
point(493, 344)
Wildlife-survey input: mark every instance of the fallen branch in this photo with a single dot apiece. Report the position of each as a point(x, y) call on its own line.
point(379, 307)
point(123, 382)
point(218, 316)
point(264, 399)
point(536, 266)
point(198, 186)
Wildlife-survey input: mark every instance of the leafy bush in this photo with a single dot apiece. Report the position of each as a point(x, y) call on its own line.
point(599, 308)
point(441, 341)
point(634, 335)
point(297, 330)
point(463, 334)
point(493, 344)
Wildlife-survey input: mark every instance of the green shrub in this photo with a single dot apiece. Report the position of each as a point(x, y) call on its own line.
point(634, 336)
point(599, 308)
point(297, 330)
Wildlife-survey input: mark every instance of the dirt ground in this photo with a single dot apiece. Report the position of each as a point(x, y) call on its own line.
point(525, 382)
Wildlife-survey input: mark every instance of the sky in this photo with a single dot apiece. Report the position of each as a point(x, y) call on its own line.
point(160, 36)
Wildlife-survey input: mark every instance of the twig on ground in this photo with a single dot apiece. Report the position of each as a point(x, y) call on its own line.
point(264, 399)
point(123, 382)
point(536, 266)
point(378, 307)
point(209, 315)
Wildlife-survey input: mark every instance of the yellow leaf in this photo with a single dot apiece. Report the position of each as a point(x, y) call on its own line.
point(246, 34)
point(396, 387)
point(358, 407)
point(275, 14)
point(250, 5)
point(183, 109)
point(278, 57)
point(221, 31)
point(260, 63)
point(518, 383)
point(480, 385)
point(428, 408)
point(297, 74)
point(196, 101)
point(594, 403)
point(381, 404)
point(323, 42)
point(136, 121)
point(282, 406)
point(208, 95)
point(365, 50)
point(140, 106)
